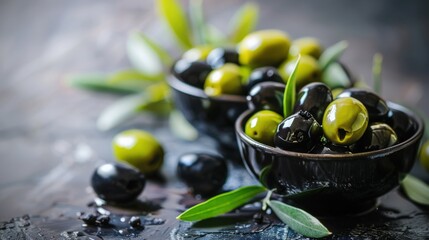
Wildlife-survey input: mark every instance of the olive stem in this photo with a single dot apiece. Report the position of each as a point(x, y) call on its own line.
point(267, 199)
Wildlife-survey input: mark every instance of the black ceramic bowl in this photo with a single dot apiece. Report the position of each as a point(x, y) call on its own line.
point(213, 116)
point(333, 183)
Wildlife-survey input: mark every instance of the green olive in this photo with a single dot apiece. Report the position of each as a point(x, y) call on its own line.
point(139, 149)
point(224, 80)
point(336, 92)
point(424, 155)
point(305, 46)
point(262, 126)
point(198, 53)
point(308, 71)
point(264, 48)
point(345, 121)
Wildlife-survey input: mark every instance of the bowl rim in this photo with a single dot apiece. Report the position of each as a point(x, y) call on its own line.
point(182, 87)
point(332, 157)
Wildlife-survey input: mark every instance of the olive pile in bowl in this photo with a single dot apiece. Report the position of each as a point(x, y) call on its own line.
point(331, 154)
point(210, 84)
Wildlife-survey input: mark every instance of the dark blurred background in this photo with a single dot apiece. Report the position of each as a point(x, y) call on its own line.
point(44, 123)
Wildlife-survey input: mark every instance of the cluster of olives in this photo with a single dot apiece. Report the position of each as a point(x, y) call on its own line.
point(266, 55)
point(356, 120)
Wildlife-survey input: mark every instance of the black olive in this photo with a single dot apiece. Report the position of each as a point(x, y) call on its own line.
point(330, 148)
point(376, 106)
point(135, 222)
point(299, 132)
point(191, 72)
point(203, 172)
point(118, 183)
point(263, 74)
point(401, 124)
point(314, 98)
point(103, 220)
point(219, 56)
point(377, 136)
point(267, 96)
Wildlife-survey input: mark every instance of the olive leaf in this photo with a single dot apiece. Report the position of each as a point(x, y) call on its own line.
point(376, 72)
point(175, 17)
point(243, 22)
point(181, 128)
point(215, 36)
point(197, 21)
point(331, 54)
point(299, 220)
point(221, 204)
point(335, 76)
point(100, 82)
point(416, 190)
point(290, 91)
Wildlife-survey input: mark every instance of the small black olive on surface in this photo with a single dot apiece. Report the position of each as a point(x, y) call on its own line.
point(299, 132)
point(376, 106)
point(314, 98)
point(205, 173)
point(377, 136)
point(191, 72)
point(267, 96)
point(114, 182)
point(219, 56)
point(263, 74)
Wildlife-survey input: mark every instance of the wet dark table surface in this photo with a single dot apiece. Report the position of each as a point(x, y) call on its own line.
point(49, 144)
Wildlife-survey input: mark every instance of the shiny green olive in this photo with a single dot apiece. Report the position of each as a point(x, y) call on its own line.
point(345, 121)
point(424, 155)
point(198, 53)
point(262, 126)
point(139, 149)
point(305, 46)
point(264, 48)
point(224, 80)
point(308, 71)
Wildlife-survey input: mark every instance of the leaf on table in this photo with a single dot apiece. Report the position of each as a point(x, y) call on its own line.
point(290, 91)
point(299, 220)
point(197, 21)
point(146, 56)
point(335, 76)
point(332, 54)
point(243, 22)
point(181, 128)
point(416, 190)
point(221, 204)
point(377, 62)
point(100, 82)
point(175, 17)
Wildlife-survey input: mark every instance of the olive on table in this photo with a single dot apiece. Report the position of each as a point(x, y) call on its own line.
point(268, 96)
point(264, 48)
point(219, 56)
point(139, 149)
point(198, 53)
point(345, 121)
point(299, 132)
point(376, 106)
point(192, 72)
point(424, 155)
point(377, 136)
point(114, 182)
point(224, 80)
point(314, 98)
point(262, 126)
point(308, 71)
point(305, 46)
point(205, 173)
point(263, 74)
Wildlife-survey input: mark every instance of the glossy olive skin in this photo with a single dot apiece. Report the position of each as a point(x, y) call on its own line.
point(224, 80)
point(308, 71)
point(205, 173)
point(117, 183)
point(376, 106)
point(424, 155)
point(198, 53)
point(299, 132)
point(305, 46)
point(401, 123)
point(191, 72)
point(376, 137)
point(330, 148)
point(267, 95)
point(263, 74)
point(262, 126)
point(139, 149)
point(219, 56)
point(345, 121)
point(264, 48)
point(314, 98)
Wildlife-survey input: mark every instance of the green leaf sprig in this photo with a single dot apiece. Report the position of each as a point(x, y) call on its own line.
point(377, 62)
point(290, 91)
point(331, 54)
point(416, 190)
point(295, 218)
